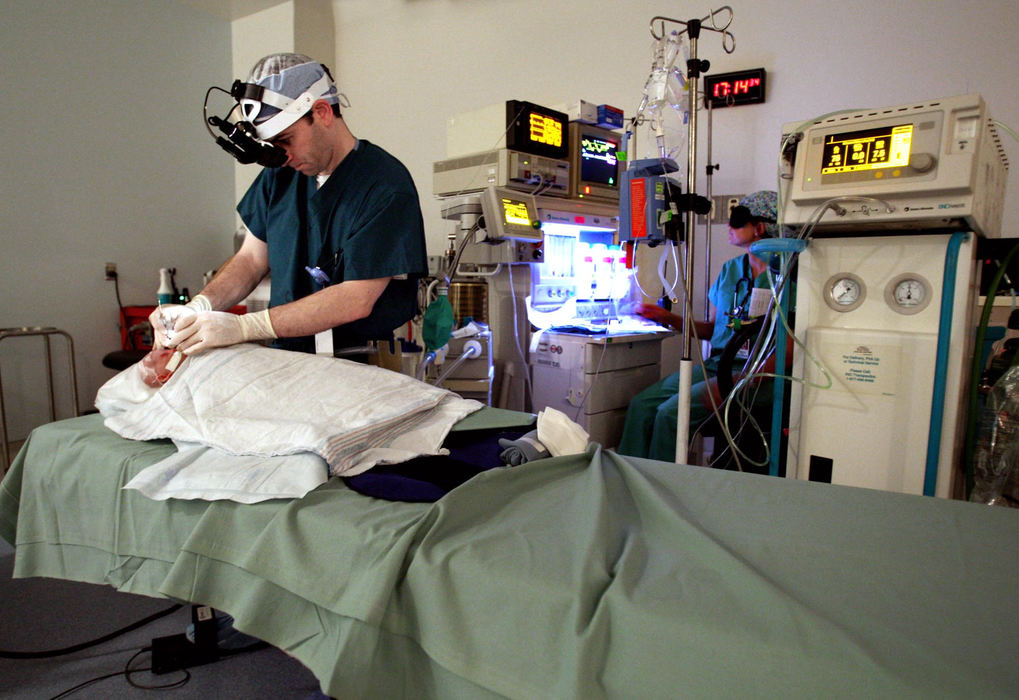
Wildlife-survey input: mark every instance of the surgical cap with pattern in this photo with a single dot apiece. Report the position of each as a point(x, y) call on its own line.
point(763, 204)
point(289, 74)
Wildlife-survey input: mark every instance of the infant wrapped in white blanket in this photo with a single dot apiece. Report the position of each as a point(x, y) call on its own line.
point(240, 415)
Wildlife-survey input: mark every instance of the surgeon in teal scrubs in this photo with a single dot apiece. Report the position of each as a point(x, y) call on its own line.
point(650, 427)
point(338, 228)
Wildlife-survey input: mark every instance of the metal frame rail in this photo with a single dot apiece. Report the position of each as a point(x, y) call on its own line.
point(46, 333)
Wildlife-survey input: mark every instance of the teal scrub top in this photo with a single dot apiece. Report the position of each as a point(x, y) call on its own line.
point(364, 223)
point(722, 295)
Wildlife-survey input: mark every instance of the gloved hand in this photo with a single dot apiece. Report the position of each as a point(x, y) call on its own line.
point(164, 318)
point(525, 448)
point(196, 333)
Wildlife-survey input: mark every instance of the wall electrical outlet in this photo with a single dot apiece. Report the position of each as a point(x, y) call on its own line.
point(111, 271)
point(711, 214)
point(722, 207)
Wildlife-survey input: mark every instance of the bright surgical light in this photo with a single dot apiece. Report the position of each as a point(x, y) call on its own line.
point(555, 228)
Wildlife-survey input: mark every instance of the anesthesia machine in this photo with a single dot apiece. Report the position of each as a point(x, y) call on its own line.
point(589, 354)
point(535, 192)
point(889, 203)
point(879, 211)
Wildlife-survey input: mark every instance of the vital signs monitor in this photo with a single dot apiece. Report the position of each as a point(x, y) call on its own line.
point(510, 215)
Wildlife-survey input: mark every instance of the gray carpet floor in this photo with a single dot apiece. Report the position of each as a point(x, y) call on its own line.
point(43, 614)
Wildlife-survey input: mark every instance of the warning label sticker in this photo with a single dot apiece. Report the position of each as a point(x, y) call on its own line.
point(868, 369)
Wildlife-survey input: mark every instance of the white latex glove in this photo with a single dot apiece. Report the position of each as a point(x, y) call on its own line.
point(164, 319)
point(196, 333)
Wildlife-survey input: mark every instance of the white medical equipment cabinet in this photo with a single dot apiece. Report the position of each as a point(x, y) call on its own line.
point(589, 356)
point(592, 378)
point(887, 289)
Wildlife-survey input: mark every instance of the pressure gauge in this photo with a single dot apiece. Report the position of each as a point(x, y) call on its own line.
point(844, 291)
point(908, 293)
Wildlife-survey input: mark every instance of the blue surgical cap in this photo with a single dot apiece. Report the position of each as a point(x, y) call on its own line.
point(289, 75)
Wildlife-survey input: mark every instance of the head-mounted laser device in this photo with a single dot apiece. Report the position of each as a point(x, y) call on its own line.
point(740, 216)
point(281, 89)
point(239, 137)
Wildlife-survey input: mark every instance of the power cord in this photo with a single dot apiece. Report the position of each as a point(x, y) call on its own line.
point(127, 673)
point(85, 645)
point(112, 274)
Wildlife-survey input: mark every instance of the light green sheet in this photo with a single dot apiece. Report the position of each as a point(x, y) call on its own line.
point(578, 577)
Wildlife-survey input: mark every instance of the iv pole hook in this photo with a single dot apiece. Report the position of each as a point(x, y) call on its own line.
point(710, 23)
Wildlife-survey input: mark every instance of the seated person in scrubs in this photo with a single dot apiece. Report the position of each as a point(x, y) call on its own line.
point(650, 428)
point(338, 228)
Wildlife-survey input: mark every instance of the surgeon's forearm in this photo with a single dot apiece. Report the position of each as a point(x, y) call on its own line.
point(238, 276)
point(234, 281)
point(330, 307)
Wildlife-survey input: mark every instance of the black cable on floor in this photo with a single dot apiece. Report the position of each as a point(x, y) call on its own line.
point(85, 645)
point(128, 672)
point(127, 676)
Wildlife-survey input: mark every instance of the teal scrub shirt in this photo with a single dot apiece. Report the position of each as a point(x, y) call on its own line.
point(363, 223)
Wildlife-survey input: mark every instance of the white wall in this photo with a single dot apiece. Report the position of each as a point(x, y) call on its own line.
point(106, 160)
point(252, 37)
point(408, 65)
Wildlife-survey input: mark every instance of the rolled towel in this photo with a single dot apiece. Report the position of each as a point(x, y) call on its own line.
point(559, 434)
point(524, 449)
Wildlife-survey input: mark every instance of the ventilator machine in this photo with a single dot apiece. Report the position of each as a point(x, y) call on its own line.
point(889, 203)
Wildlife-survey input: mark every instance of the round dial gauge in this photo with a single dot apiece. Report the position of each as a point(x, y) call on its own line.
point(844, 291)
point(908, 294)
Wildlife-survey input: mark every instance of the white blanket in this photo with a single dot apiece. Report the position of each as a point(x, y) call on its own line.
point(252, 405)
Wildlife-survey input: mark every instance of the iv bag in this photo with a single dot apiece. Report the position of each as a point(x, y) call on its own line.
point(664, 110)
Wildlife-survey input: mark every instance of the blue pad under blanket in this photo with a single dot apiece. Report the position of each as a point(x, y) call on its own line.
point(427, 479)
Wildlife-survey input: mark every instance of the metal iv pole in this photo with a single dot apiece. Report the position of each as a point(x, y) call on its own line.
point(694, 69)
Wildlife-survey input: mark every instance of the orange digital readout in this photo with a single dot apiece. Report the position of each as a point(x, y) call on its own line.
point(545, 129)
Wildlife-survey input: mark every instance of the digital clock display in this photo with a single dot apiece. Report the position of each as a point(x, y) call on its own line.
point(869, 149)
point(536, 130)
point(732, 89)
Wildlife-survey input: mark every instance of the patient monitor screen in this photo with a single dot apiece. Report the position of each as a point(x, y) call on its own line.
point(508, 214)
point(598, 161)
point(870, 149)
point(515, 212)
